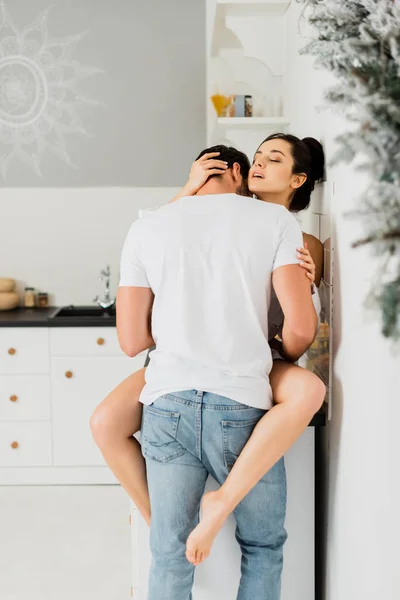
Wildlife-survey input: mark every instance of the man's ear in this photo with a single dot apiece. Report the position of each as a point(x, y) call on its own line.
point(236, 174)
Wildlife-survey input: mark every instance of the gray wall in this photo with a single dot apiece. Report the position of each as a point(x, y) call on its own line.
point(146, 77)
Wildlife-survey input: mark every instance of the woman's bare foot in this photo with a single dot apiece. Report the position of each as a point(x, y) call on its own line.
point(213, 515)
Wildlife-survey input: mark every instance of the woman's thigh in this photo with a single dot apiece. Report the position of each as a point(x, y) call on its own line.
point(291, 382)
point(121, 408)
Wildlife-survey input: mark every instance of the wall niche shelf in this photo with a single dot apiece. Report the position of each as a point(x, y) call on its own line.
point(272, 8)
point(251, 122)
point(246, 44)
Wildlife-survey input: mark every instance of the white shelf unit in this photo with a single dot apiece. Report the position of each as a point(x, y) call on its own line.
point(252, 122)
point(260, 8)
point(246, 43)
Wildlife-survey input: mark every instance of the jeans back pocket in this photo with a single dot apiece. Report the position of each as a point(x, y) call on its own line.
point(159, 432)
point(235, 436)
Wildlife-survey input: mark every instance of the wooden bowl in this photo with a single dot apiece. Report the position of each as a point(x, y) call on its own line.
point(8, 300)
point(7, 285)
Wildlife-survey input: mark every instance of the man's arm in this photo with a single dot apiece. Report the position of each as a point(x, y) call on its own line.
point(292, 288)
point(135, 297)
point(134, 306)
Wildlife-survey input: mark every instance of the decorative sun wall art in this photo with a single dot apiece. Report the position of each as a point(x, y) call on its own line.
point(39, 93)
point(91, 93)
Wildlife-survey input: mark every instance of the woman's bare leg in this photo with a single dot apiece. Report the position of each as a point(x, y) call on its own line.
point(113, 424)
point(298, 395)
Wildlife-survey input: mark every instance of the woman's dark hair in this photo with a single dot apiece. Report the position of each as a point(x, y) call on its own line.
point(231, 155)
point(308, 157)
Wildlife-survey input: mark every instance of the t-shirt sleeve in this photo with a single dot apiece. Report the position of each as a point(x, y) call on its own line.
point(132, 271)
point(143, 212)
point(289, 240)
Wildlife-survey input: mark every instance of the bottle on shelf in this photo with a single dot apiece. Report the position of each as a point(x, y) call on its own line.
point(29, 297)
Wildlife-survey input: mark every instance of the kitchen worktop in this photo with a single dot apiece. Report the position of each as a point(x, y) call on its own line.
point(46, 317)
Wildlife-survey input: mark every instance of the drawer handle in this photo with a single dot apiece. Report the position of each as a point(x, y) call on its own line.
point(100, 341)
point(69, 374)
point(14, 445)
point(13, 398)
point(12, 351)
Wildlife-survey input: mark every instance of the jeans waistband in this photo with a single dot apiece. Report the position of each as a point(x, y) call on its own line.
point(208, 400)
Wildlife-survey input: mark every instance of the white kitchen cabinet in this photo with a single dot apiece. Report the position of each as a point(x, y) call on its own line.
point(78, 385)
point(51, 380)
point(218, 577)
point(24, 350)
point(24, 397)
point(25, 428)
point(25, 444)
point(84, 341)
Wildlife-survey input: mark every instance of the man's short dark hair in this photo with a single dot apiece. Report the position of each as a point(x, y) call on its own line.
point(231, 156)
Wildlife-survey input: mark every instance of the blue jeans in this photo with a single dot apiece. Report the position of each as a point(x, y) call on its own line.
point(187, 436)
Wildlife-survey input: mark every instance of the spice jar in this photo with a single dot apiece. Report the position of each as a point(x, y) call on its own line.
point(29, 297)
point(42, 299)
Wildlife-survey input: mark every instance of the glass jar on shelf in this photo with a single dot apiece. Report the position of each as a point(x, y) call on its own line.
point(42, 300)
point(29, 297)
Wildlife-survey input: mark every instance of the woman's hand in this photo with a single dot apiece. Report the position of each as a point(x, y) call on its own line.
point(307, 262)
point(201, 170)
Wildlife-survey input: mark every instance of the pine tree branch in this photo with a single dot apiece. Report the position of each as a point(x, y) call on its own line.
point(378, 237)
point(359, 42)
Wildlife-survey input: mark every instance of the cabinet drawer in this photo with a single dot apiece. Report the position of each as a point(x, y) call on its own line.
point(24, 350)
point(24, 397)
point(84, 341)
point(78, 385)
point(25, 444)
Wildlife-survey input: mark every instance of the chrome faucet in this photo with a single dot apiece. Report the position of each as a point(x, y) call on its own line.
point(107, 301)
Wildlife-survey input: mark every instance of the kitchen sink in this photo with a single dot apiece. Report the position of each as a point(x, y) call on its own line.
point(85, 312)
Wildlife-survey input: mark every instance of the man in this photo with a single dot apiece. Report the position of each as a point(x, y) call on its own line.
point(202, 268)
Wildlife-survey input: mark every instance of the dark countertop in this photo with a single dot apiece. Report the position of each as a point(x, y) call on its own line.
point(44, 317)
point(27, 317)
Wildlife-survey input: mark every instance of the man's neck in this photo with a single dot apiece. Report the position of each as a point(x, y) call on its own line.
point(215, 187)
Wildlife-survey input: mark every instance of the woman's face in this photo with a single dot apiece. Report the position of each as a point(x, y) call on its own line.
point(272, 170)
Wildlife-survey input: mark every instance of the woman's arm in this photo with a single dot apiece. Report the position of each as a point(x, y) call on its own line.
point(201, 170)
point(292, 289)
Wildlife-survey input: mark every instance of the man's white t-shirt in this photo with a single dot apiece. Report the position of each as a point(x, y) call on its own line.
point(209, 260)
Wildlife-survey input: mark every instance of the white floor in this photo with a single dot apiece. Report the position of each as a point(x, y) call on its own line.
point(58, 543)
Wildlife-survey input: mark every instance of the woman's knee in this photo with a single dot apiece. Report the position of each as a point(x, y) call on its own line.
point(102, 426)
point(298, 386)
point(313, 391)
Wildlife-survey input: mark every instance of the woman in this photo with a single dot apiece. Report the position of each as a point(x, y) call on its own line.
point(284, 172)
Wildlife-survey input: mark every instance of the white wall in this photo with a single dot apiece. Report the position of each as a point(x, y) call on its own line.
point(58, 240)
point(363, 445)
